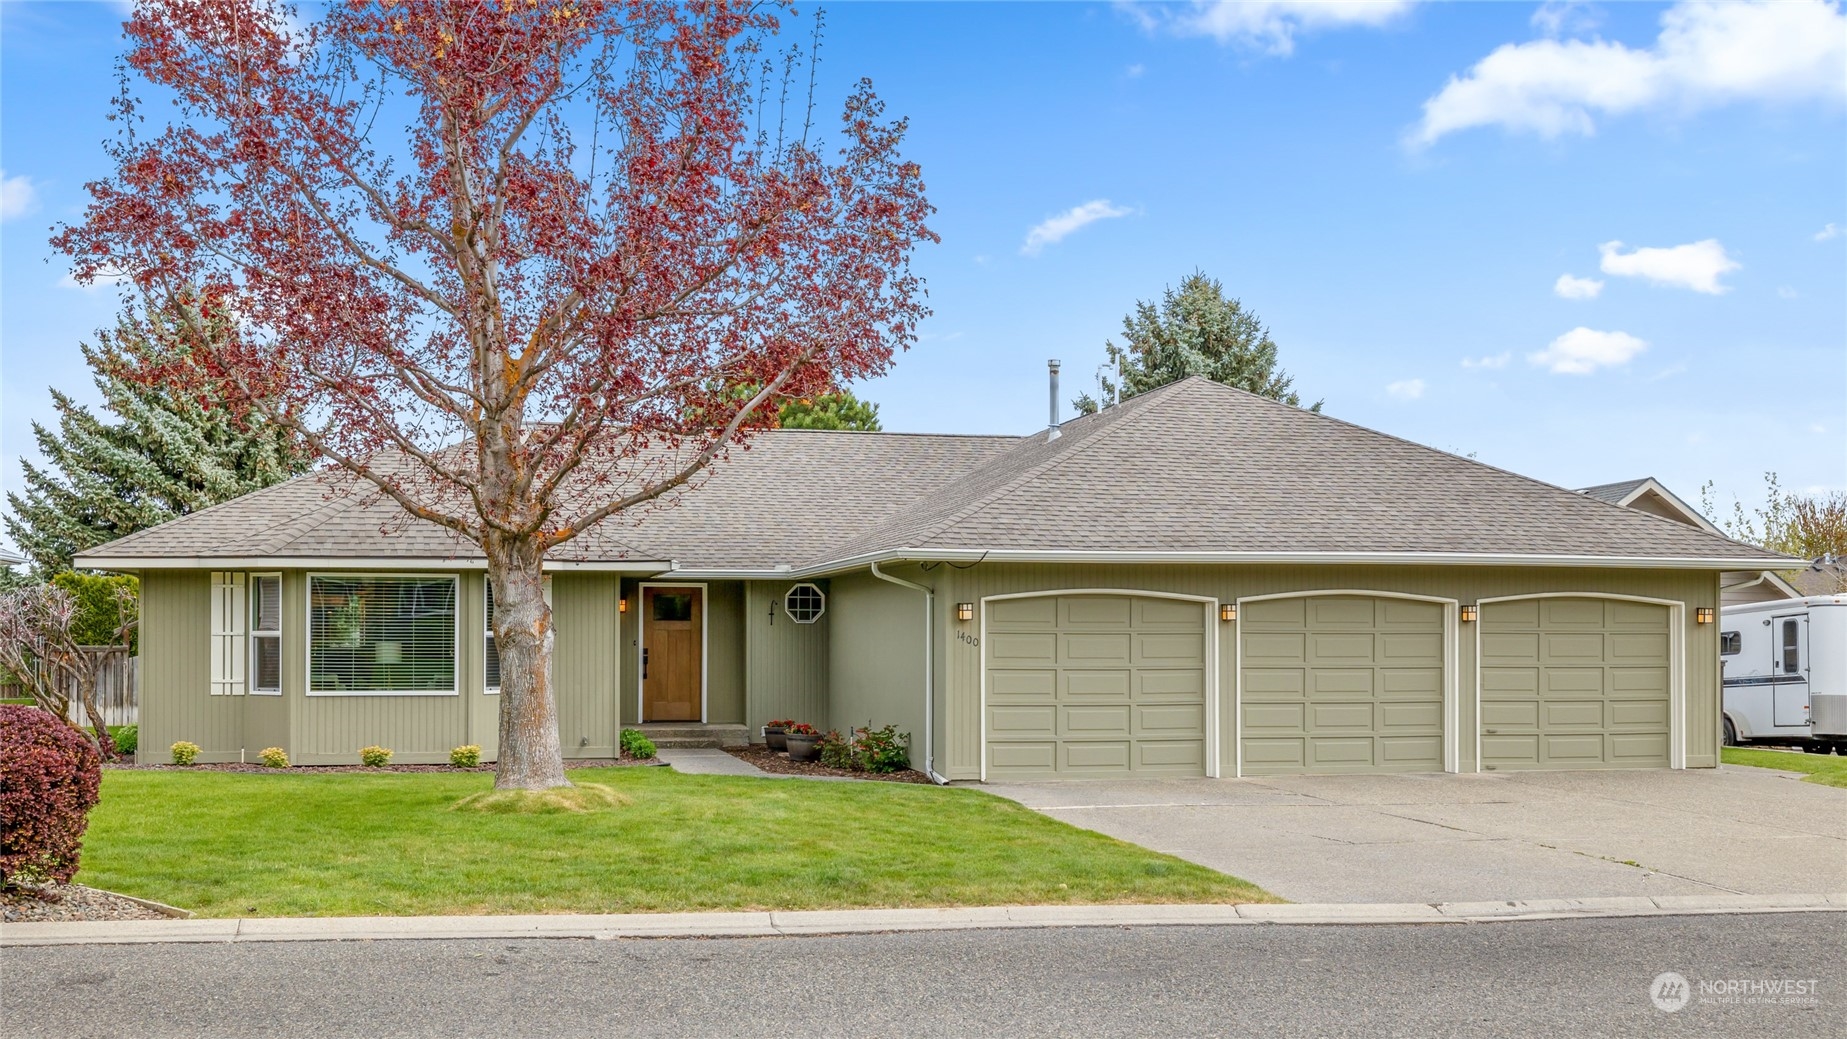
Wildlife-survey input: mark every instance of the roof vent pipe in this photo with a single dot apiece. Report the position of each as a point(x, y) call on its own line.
point(1052, 430)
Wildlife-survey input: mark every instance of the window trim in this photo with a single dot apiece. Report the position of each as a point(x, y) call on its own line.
point(811, 586)
point(487, 636)
point(307, 623)
point(251, 581)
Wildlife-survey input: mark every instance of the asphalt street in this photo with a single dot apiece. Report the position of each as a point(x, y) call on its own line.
point(1578, 978)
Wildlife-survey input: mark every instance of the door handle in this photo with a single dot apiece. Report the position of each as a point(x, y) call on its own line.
point(644, 664)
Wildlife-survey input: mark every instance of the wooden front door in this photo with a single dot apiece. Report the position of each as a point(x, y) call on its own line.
point(672, 653)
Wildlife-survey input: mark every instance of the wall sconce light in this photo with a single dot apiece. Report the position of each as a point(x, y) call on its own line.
point(1704, 615)
point(1228, 612)
point(622, 605)
point(965, 611)
point(1468, 614)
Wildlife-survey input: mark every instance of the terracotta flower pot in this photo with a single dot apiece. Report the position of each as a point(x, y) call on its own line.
point(772, 735)
point(803, 748)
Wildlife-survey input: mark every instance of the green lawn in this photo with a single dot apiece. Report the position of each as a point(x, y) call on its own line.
point(1826, 769)
point(228, 844)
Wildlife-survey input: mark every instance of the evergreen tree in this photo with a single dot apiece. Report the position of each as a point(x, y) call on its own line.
point(1193, 330)
point(837, 410)
point(168, 455)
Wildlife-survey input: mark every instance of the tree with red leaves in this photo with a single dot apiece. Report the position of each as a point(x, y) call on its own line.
point(534, 308)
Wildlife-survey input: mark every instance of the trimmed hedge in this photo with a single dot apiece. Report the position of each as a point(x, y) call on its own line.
point(50, 778)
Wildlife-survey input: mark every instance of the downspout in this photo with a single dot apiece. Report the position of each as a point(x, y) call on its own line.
point(929, 670)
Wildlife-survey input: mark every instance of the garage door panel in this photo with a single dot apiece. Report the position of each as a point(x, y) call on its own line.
point(1022, 648)
point(1088, 756)
point(1274, 683)
point(1337, 751)
point(1424, 753)
point(1007, 722)
point(1260, 718)
point(1265, 648)
point(1014, 614)
point(1409, 613)
point(1095, 685)
point(1327, 649)
point(1009, 686)
point(1093, 721)
point(1421, 683)
point(1084, 649)
point(1327, 717)
point(1274, 614)
point(1029, 758)
point(1168, 720)
point(1168, 684)
point(1167, 649)
point(1406, 648)
point(1591, 693)
point(1178, 614)
point(1340, 683)
point(1342, 612)
point(1180, 757)
point(1401, 716)
point(1263, 756)
point(1093, 611)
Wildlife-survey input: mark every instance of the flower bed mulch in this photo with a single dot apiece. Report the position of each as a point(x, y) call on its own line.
point(768, 760)
point(57, 903)
point(257, 766)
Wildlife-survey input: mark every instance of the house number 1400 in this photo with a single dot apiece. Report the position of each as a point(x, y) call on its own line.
point(963, 636)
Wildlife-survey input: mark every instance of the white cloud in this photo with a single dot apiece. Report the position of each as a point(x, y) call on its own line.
point(1707, 54)
point(1786, 292)
point(1818, 428)
point(1493, 361)
point(1267, 25)
point(1406, 389)
point(1559, 17)
point(1571, 287)
point(17, 196)
point(1135, 71)
point(1830, 231)
point(1696, 265)
point(100, 281)
point(1055, 229)
point(1584, 350)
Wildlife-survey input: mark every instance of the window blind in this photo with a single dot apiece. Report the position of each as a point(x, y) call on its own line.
point(490, 653)
point(266, 633)
point(381, 634)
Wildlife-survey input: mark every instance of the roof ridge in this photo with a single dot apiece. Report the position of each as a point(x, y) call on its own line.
point(1535, 481)
point(1151, 399)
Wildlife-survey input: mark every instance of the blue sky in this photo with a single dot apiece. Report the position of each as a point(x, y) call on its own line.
point(1583, 242)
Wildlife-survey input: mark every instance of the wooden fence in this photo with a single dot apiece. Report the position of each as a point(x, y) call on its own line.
point(117, 688)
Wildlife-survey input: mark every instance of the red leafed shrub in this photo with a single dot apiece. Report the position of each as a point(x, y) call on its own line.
point(50, 778)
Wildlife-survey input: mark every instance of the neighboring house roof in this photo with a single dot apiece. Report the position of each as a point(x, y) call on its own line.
point(1821, 578)
point(1193, 471)
point(1651, 496)
point(9, 559)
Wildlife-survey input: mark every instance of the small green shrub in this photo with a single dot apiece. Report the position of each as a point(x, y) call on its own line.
point(882, 750)
point(375, 757)
point(467, 755)
point(126, 737)
point(636, 745)
point(185, 752)
point(274, 757)
point(836, 750)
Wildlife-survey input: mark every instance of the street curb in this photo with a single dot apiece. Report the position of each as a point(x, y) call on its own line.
point(870, 921)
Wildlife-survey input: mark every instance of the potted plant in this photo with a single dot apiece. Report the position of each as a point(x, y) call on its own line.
point(772, 734)
point(803, 741)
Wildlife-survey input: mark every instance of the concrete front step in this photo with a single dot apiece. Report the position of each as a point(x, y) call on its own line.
point(677, 734)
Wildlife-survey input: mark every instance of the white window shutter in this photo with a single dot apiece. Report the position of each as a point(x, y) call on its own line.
point(228, 633)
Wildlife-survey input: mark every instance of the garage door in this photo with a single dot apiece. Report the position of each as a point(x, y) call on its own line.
point(1341, 683)
point(1095, 685)
point(1574, 683)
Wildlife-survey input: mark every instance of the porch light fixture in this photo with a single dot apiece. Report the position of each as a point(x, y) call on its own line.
point(965, 611)
point(1468, 614)
point(1228, 612)
point(622, 605)
point(1703, 615)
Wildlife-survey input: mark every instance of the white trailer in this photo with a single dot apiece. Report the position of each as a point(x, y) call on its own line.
point(1784, 667)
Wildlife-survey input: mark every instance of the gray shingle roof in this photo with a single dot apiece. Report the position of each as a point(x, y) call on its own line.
point(1194, 467)
point(1614, 493)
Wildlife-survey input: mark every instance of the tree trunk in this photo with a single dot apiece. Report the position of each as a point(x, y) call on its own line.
point(530, 755)
point(88, 665)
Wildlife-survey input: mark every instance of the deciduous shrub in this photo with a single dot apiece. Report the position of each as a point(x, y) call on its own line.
point(184, 752)
point(50, 778)
point(882, 750)
point(375, 757)
point(127, 738)
point(274, 757)
point(836, 750)
point(636, 745)
point(466, 756)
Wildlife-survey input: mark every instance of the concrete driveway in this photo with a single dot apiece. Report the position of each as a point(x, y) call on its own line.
point(1504, 835)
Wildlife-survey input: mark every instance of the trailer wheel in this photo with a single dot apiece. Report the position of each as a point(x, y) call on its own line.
point(1731, 733)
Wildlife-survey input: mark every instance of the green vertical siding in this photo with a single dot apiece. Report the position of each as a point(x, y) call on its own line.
point(724, 653)
point(175, 693)
point(482, 708)
point(960, 683)
point(875, 658)
point(586, 662)
point(786, 664)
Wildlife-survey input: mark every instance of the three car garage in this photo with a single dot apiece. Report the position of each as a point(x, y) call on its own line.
point(1096, 683)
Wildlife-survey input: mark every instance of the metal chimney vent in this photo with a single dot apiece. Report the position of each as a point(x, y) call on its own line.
point(1052, 430)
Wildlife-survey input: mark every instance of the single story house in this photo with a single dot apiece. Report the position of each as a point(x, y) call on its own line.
point(1196, 581)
